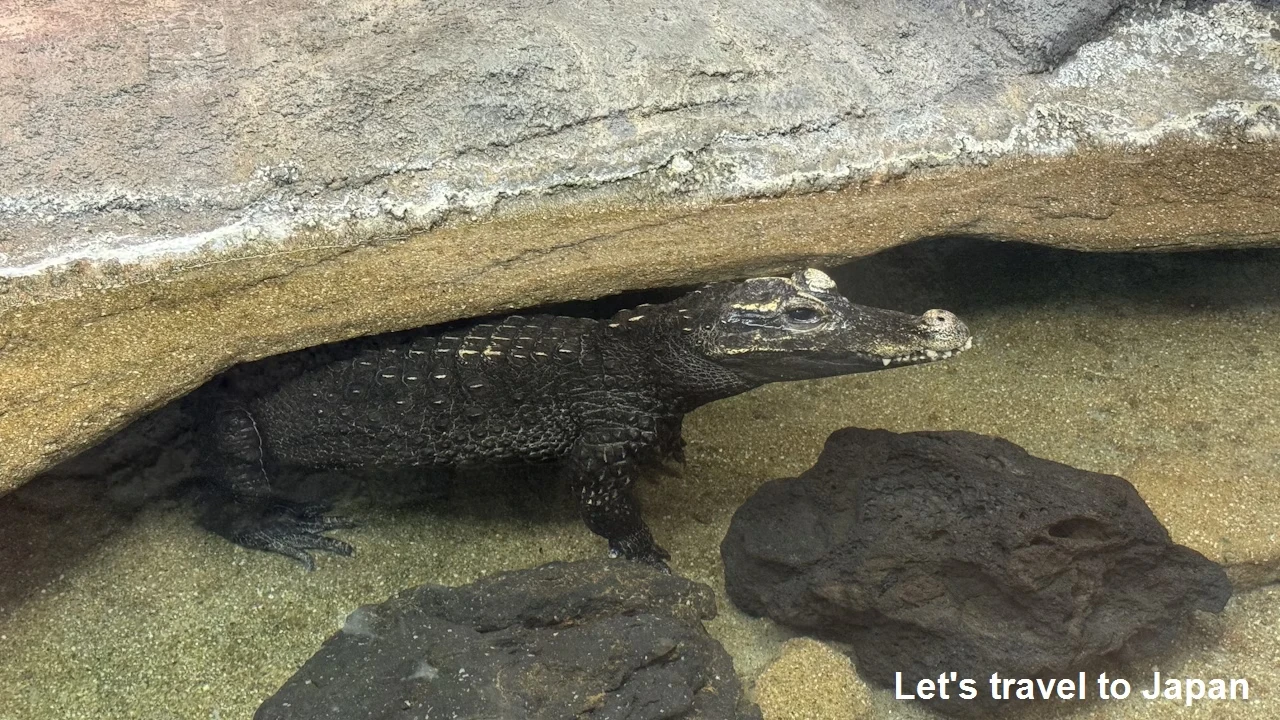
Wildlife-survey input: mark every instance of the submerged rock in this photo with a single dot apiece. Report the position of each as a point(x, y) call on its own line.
point(936, 552)
point(608, 639)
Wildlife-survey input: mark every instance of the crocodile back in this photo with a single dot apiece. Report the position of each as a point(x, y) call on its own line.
point(515, 389)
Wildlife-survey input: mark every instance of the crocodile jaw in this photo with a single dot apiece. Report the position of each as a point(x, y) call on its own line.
point(805, 366)
point(925, 356)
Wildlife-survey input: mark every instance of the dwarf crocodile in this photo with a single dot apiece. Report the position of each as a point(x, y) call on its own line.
point(602, 397)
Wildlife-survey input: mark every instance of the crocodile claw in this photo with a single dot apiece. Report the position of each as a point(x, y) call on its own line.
point(641, 548)
point(672, 468)
point(283, 527)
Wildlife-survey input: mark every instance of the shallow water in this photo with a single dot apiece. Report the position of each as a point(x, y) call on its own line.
point(1164, 369)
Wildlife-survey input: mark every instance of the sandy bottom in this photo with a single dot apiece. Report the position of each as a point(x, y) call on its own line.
point(1162, 369)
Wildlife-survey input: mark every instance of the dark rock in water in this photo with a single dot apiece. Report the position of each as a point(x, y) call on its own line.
point(935, 552)
point(604, 639)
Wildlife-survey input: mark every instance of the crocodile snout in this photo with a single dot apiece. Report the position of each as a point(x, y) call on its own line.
point(944, 331)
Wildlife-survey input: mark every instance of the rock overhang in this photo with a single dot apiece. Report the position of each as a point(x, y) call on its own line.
point(233, 189)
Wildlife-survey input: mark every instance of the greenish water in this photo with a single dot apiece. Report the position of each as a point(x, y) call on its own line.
point(1164, 369)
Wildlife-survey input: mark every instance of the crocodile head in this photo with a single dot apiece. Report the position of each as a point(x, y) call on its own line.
point(775, 328)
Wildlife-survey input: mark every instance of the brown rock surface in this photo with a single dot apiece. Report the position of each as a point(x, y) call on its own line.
point(75, 368)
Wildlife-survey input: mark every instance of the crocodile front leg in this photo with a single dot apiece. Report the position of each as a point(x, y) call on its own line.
point(604, 466)
point(241, 506)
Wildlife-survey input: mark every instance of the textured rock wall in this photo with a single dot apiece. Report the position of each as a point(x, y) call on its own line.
point(188, 184)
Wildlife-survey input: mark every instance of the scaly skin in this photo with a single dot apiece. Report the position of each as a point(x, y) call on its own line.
point(603, 398)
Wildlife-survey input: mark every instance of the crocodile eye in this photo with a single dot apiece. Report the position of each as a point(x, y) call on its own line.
point(803, 315)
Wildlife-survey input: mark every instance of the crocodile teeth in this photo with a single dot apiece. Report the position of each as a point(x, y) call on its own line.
point(968, 343)
point(886, 361)
point(932, 355)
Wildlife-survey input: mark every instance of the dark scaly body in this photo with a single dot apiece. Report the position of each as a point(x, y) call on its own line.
point(603, 397)
point(515, 390)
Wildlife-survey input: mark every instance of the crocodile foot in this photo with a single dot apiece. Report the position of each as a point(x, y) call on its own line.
point(640, 547)
point(668, 468)
point(284, 527)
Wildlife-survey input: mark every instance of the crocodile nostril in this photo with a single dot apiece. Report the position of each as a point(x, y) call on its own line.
point(944, 331)
point(939, 319)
